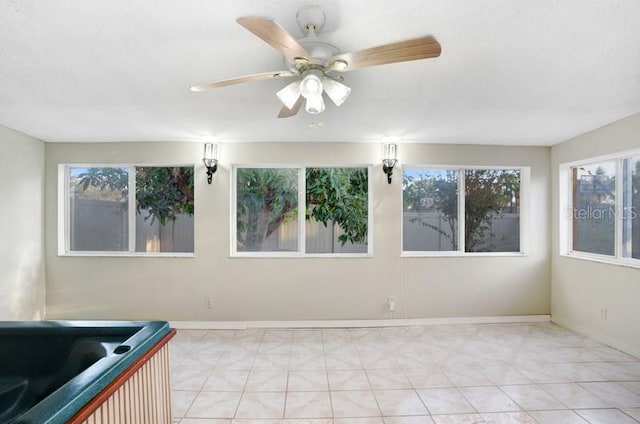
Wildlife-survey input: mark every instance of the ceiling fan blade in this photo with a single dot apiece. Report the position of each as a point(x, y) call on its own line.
point(401, 51)
point(272, 33)
point(285, 112)
point(245, 78)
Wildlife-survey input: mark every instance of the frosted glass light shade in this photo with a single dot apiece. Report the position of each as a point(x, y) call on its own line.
point(314, 104)
point(336, 91)
point(289, 95)
point(311, 85)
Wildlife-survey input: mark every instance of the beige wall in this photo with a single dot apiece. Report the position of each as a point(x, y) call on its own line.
point(581, 288)
point(305, 288)
point(22, 285)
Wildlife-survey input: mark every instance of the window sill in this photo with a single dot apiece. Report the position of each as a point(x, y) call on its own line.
point(627, 263)
point(294, 255)
point(127, 255)
point(463, 254)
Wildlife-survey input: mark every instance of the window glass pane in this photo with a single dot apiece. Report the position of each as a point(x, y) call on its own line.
point(631, 209)
point(267, 209)
point(594, 208)
point(492, 210)
point(430, 210)
point(98, 211)
point(337, 210)
point(164, 209)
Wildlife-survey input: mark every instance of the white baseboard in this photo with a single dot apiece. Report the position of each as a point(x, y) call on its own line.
point(243, 325)
point(602, 338)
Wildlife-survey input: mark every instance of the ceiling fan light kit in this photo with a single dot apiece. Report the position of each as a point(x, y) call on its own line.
point(336, 91)
point(316, 63)
point(289, 95)
point(311, 84)
point(311, 89)
point(314, 104)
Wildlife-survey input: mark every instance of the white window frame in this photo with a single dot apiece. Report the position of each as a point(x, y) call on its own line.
point(565, 213)
point(525, 177)
point(302, 204)
point(64, 205)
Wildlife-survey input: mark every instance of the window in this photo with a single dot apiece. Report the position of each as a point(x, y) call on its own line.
point(600, 209)
point(430, 210)
point(267, 209)
point(461, 210)
point(631, 207)
point(164, 209)
point(594, 205)
point(98, 205)
point(126, 209)
point(294, 211)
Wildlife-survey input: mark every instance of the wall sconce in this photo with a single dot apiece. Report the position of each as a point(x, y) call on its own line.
point(210, 159)
point(389, 159)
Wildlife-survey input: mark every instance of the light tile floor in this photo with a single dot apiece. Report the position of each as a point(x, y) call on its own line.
point(490, 373)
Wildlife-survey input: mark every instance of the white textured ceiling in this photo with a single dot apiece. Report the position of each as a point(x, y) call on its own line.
point(518, 72)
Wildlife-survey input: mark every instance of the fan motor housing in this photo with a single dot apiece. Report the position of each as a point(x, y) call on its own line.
point(319, 51)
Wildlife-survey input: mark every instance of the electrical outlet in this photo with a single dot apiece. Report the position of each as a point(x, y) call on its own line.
point(391, 304)
point(603, 313)
point(208, 302)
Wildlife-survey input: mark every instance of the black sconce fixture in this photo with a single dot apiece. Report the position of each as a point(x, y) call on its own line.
point(210, 160)
point(389, 159)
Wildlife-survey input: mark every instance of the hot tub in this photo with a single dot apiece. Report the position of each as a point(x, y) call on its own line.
point(54, 372)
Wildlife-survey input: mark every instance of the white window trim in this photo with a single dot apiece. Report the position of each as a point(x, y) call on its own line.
point(565, 227)
point(64, 228)
point(302, 203)
point(525, 178)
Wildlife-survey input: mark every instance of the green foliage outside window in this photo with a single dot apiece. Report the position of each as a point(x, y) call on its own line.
point(488, 192)
point(340, 196)
point(162, 192)
point(268, 197)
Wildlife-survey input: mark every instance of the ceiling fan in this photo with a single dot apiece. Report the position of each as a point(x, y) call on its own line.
point(317, 63)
